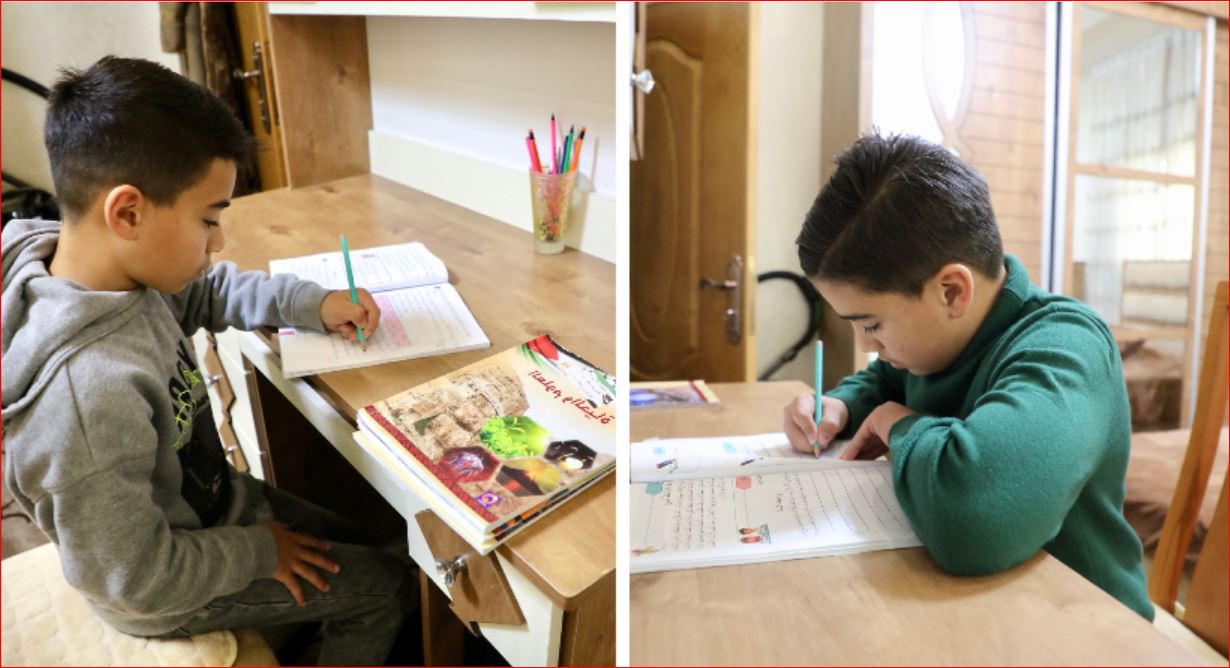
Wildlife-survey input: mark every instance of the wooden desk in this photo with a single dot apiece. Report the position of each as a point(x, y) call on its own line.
point(890, 607)
point(569, 556)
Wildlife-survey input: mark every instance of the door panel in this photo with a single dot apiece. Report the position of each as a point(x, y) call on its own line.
point(691, 195)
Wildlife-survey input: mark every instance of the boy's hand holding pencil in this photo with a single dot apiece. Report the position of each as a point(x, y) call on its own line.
point(799, 422)
point(340, 315)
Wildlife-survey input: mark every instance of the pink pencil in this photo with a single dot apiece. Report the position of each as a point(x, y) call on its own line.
point(532, 147)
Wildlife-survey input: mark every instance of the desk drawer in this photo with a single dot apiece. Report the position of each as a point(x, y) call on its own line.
point(537, 642)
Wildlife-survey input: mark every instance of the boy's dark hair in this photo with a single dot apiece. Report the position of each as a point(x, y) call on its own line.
point(131, 121)
point(897, 209)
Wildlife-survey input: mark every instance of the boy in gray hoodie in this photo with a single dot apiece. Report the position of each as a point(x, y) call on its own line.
point(109, 439)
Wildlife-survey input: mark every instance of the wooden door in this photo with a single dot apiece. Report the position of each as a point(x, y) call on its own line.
point(252, 26)
point(692, 197)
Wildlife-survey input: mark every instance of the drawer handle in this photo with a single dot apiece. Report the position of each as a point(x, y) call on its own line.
point(450, 569)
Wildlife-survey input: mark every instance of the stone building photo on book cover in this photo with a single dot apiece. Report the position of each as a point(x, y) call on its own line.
point(509, 432)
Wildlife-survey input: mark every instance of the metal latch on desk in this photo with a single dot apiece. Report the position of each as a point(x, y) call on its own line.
point(476, 583)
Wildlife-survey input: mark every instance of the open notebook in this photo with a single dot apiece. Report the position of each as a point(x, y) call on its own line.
point(734, 500)
point(421, 314)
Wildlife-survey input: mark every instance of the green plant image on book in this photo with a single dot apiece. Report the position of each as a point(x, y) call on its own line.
point(514, 436)
point(421, 425)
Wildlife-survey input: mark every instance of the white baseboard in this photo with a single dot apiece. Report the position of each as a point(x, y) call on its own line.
point(493, 190)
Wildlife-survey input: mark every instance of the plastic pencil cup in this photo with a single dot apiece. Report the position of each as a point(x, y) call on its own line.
point(551, 196)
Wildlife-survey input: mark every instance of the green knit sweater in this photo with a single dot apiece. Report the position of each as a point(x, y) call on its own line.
point(1020, 445)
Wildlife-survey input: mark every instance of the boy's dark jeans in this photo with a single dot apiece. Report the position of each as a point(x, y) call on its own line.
point(361, 613)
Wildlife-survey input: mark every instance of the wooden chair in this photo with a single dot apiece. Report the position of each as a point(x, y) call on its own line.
point(1205, 610)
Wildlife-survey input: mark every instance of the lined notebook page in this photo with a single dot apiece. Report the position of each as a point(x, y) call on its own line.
point(414, 322)
point(375, 269)
point(768, 517)
point(687, 458)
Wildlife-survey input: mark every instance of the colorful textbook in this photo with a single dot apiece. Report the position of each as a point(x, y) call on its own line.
point(496, 445)
point(671, 394)
point(703, 502)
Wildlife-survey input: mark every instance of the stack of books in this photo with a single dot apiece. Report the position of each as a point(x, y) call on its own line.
point(494, 446)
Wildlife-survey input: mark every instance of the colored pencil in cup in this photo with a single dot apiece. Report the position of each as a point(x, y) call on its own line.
point(354, 294)
point(532, 146)
point(563, 165)
point(576, 153)
point(554, 154)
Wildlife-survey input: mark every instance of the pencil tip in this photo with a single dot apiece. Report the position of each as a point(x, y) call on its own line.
point(552, 116)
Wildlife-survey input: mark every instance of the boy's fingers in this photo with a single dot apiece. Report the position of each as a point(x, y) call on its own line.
point(308, 540)
point(799, 435)
point(319, 561)
point(310, 574)
point(292, 585)
point(827, 430)
point(858, 442)
point(797, 441)
point(804, 417)
point(371, 311)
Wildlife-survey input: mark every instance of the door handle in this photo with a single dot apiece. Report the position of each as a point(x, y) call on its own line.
point(643, 80)
point(733, 287)
point(257, 72)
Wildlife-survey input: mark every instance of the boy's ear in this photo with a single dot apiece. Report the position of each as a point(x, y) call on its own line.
point(955, 283)
point(122, 209)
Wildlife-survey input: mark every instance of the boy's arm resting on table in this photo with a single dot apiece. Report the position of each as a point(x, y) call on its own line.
point(114, 541)
point(863, 391)
point(226, 297)
point(987, 492)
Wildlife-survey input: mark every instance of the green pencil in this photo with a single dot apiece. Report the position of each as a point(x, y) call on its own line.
point(354, 294)
point(567, 153)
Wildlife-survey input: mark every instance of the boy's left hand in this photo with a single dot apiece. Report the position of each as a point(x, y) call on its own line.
point(339, 315)
point(871, 440)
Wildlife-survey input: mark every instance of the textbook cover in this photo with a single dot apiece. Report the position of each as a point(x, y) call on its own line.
point(500, 442)
point(671, 394)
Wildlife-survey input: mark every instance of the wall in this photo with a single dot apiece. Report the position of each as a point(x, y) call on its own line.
point(39, 39)
point(788, 171)
point(452, 100)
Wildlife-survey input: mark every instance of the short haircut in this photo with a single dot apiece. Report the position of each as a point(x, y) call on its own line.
point(135, 122)
point(897, 209)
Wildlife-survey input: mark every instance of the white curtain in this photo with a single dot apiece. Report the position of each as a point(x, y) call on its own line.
point(1137, 109)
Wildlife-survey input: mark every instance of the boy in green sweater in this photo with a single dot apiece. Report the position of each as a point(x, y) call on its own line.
point(1002, 407)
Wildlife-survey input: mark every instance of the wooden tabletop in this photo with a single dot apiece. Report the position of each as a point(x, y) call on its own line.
point(514, 294)
point(888, 607)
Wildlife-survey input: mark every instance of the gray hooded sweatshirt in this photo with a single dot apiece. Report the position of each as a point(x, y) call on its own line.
point(109, 440)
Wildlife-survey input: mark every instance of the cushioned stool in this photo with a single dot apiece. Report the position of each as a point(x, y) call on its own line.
point(47, 623)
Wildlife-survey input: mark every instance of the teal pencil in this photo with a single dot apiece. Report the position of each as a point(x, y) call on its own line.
point(815, 448)
point(354, 294)
point(567, 160)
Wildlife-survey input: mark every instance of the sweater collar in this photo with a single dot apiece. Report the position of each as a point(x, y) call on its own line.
point(1004, 312)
